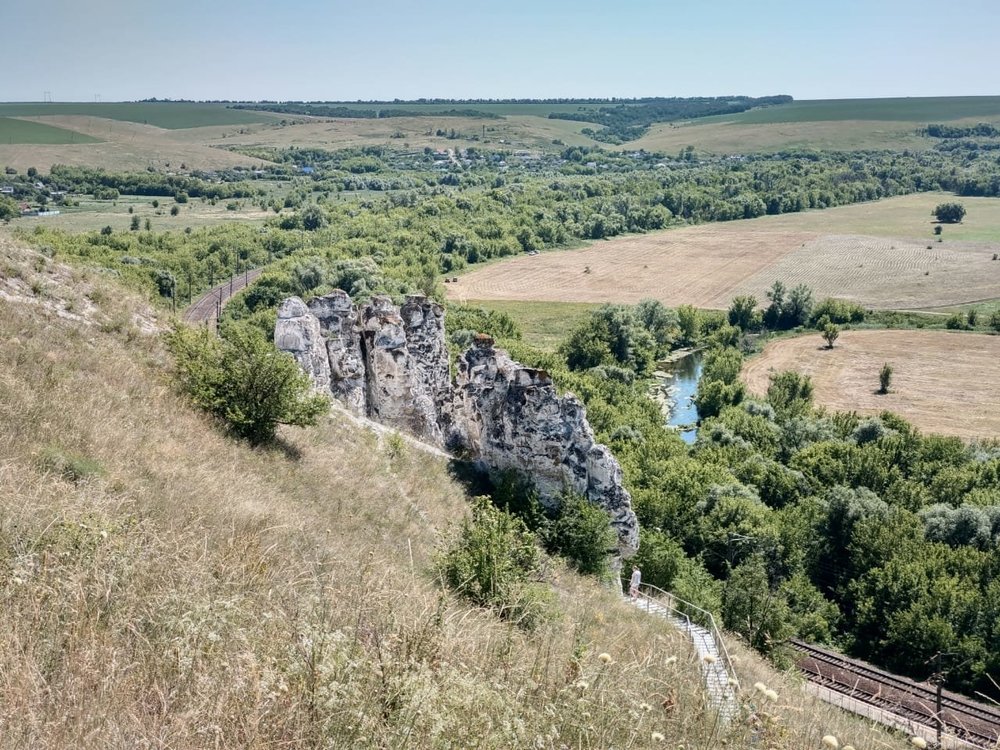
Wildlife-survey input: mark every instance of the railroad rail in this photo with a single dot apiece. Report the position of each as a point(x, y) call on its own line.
point(975, 723)
point(207, 307)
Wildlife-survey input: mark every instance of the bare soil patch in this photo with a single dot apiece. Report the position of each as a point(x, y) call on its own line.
point(943, 381)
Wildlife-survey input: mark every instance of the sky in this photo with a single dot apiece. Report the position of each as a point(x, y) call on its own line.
point(113, 50)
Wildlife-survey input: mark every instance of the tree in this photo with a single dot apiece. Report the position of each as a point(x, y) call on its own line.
point(790, 393)
point(743, 313)
point(134, 226)
point(885, 378)
point(8, 208)
point(689, 320)
point(174, 210)
point(949, 213)
point(830, 334)
point(244, 381)
point(313, 218)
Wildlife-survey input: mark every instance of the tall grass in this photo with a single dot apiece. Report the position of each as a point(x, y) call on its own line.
point(162, 586)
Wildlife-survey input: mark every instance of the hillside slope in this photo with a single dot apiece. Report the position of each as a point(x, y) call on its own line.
point(164, 586)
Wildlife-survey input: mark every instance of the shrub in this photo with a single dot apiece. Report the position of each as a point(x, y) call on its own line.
point(830, 334)
point(581, 532)
point(949, 213)
point(955, 322)
point(885, 378)
point(244, 381)
point(837, 311)
point(492, 561)
point(790, 393)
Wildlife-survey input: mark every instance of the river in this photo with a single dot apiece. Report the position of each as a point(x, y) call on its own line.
point(675, 388)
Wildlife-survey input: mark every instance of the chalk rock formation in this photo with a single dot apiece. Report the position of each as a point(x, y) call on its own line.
point(404, 388)
point(510, 417)
point(387, 364)
point(297, 331)
point(391, 365)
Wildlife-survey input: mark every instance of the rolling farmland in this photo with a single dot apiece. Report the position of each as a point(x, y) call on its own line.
point(17, 131)
point(847, 252)
point(167, 115)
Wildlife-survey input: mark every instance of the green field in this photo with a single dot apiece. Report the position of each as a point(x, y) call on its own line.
point(544, 325)
point(909, 109)
point(23, 131)
point(169, 115)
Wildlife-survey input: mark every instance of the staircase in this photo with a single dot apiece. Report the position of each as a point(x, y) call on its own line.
point(713, 658)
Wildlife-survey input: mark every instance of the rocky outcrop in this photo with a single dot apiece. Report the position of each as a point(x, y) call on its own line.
point(383, 363)
point(297, 331)
point(391, 365)
point(510, 417)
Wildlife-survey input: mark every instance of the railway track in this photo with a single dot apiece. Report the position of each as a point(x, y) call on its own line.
point(974, 723)
point(207, 307)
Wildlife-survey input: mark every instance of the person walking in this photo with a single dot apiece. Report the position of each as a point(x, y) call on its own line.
point(633, 585)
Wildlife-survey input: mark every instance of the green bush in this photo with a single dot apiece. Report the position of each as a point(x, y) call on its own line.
point(244, 381)
point(949, 213)
point(581, 532)
point(492, 562)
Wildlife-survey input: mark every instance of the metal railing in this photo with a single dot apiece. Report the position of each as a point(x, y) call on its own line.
point(703, 618)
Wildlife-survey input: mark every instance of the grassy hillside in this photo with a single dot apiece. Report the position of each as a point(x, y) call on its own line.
point(908, 109)
point(170, 115)
point(23, 131)
point(164, 586)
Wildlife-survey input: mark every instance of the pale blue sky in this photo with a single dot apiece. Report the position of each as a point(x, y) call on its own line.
point(385, 49)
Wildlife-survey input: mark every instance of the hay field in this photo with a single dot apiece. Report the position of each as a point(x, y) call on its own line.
point(943, 381)
point(838, 252)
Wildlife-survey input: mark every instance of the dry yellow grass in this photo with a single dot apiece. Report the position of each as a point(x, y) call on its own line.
point(163, 586)
point(943, 381)
point(856, 252)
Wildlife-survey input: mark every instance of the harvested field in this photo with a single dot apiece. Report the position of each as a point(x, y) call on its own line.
point(943, 381)
point(838, 252)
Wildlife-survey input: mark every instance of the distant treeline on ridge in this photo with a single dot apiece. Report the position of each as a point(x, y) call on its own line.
point(621, 120)
point(627, 122)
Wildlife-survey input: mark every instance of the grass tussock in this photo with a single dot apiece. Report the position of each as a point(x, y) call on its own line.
point(163, 586)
